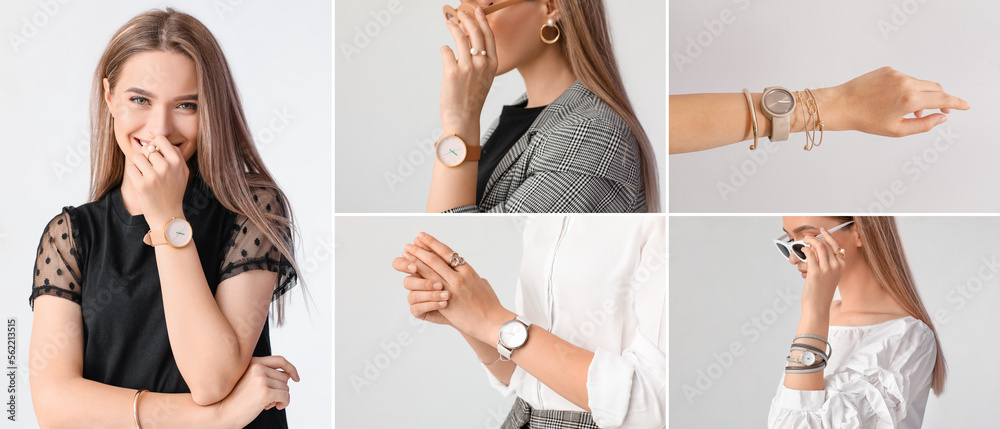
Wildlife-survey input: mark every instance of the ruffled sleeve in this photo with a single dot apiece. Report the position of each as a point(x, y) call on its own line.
point(872, 389)
point(57, 262)
point(249, 248)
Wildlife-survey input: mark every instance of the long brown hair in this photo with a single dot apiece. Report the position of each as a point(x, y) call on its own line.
point(884, 253)
point(227, 159)
point(586, 41)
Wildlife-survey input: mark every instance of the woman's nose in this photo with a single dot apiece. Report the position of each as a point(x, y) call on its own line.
point(792, 259)
point(160, 123)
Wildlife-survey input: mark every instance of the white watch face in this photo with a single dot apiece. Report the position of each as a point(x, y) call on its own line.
point(178, 232)
point(513, 334)
point(808, 358)
point(779, 101)
point(451, 151)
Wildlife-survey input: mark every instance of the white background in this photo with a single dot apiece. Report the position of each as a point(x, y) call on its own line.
point(280, 59)
point(387, 102)
point(807, 44)
point(432, 378)
point(711, 308)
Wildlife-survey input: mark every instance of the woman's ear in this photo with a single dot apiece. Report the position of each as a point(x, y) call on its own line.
point(554, 13)
point(107, 95)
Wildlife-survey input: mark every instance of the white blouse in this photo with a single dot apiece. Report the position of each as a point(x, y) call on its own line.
point(878, 377)
point(599, 283)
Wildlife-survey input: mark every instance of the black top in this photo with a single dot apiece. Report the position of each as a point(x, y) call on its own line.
point(514, 122)
point(94, 255)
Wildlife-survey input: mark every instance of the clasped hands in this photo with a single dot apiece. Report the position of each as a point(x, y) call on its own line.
point(446, 295)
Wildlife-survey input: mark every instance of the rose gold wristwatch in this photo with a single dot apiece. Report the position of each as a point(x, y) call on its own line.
point(176, 233)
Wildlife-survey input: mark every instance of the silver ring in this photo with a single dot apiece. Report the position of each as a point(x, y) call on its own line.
point(456, 260)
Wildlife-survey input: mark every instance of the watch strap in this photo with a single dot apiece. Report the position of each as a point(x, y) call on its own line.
point(154, 238)
point(502, 349)
point(473, 152)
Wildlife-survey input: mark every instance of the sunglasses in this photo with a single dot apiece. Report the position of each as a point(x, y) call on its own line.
point(452, 12)
point(787, 247)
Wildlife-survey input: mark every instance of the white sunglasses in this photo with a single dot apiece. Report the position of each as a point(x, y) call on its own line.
point(795, 247)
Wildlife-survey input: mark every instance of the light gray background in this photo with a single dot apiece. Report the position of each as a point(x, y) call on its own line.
point(799, 44)
point(709, 307)
point(431, 379)
point(280, 57)
point(387, 102)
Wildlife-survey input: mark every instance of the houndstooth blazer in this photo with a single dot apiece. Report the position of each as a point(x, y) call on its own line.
point(578, 156)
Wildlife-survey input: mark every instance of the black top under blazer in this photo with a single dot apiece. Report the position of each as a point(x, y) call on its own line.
point(579, 156)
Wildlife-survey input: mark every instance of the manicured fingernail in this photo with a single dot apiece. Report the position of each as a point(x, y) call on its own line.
point(422, 235)
point(406, 255)
point(412, 268)
point(942, 120)
point(444, 295)
point(438, 286)
point(443, 303)
point(408, 247)
point(479, 11)
point(453, 21)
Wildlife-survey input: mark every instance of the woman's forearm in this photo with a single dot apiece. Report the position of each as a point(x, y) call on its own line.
point(81, 403)
point(706, 121)
point(555, 362)
point(812, 322)
point(203, 342)
point(486, 353)
point(453, 187)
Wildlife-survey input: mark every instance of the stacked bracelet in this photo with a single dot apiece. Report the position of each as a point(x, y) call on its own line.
point(753, 117)
point(812, 358)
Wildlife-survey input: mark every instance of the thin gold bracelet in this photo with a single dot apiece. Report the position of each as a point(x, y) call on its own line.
point(819, 117)
point(135, 407)
point(753, 117)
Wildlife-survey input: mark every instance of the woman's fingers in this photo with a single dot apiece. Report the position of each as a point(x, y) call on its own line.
point(820, 251)
point(404, 266)
point(910, 126)
point(422, 270)
point(418, 310)
point(434, 261)
point(488, 39)
point(435, 245)
point(415, 283)
point(279, 362)
point(419, 296)
point(461, 42)
point(471, 26)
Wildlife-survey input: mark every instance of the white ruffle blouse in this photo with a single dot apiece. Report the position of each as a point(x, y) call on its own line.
point(599, 283)
point(878, 378)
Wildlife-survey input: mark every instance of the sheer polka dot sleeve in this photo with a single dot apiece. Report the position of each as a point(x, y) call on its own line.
point(249, 248)
point(57, 263)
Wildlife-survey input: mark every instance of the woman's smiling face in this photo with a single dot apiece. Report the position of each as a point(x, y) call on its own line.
point(156, 94)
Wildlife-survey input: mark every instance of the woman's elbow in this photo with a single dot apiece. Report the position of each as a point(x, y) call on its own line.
point(208, 392)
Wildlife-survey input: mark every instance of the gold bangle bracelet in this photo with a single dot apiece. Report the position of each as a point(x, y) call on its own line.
point(753, 117)
point(819, 117)
point(135, 407)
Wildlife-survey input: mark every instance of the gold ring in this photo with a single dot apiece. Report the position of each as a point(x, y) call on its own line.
point(842, 253)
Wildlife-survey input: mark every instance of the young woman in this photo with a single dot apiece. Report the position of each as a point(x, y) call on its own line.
point(586, 344)
point(151, 301)
point(870, 359)
point(873, 103)
point(572, 143)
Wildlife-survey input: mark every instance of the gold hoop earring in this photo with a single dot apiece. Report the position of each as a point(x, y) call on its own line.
point(550, 24)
